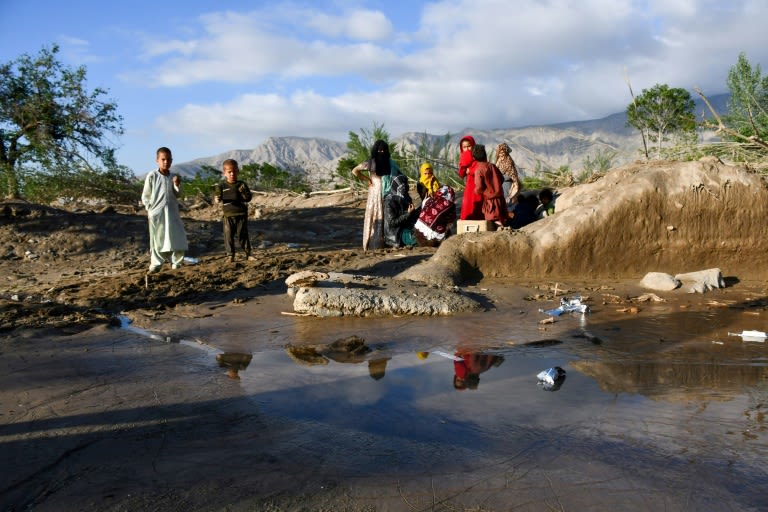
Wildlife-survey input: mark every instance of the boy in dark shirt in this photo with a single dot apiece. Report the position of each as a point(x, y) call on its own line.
point(234, 195)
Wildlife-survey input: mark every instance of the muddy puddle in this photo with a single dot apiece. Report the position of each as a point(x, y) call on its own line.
point(658, 408)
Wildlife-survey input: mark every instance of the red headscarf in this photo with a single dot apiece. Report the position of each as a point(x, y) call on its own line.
point(465, 159)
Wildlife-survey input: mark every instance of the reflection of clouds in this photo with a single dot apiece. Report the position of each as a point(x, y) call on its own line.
point(507, 402)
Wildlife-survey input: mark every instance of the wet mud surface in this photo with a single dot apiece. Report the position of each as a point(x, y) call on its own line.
point(213, 398)
point(660, 408)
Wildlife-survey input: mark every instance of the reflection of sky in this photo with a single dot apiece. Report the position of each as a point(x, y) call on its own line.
point(648, 397)
point(416, 401)
point(635, 399)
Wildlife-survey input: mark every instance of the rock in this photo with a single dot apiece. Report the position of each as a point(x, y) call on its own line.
point(659, 281)
point(395, 298)
point(305, 278)
point(702, 280)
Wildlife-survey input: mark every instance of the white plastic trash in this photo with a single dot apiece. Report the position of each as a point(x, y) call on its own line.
point(189, 260)
point(758, 336)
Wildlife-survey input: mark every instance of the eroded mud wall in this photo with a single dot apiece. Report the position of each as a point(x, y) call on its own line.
point(664, 216)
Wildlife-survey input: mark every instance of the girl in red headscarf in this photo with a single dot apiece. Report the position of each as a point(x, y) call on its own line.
point(472, 204)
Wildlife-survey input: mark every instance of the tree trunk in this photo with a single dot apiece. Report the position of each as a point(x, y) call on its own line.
point(11, 181)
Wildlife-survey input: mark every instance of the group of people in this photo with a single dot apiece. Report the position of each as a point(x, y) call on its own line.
point(492, 192)
point(391, 217)
point(167, 237)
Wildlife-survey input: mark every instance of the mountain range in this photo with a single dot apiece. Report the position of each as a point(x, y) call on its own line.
point(533, 147)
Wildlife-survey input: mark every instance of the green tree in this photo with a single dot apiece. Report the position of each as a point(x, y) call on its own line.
point(48, 120)
point(441, 154)
point(359, 149)
point(660, 112)
point(748, 103)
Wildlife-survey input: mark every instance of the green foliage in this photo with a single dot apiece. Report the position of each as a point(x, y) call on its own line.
point(597, 164)
point(266, 176)
point(600, 162)
point(748, 103)
point(204, 181)
point(50, 122)
point(533, 182)
point(359, 150)
point(117, 185)
point(439, 152)
point(660, 112)
point(258, 176)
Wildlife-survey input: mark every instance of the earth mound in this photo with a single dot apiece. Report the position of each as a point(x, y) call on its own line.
point(661, 216)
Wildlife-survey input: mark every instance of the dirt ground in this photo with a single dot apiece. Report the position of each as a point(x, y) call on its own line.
point(68, 268)
point(71, 268)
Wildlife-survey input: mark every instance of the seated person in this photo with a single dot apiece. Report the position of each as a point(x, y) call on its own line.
point(437, 215)
point(524, 209)
point(400, 214)
point(546, 204)
point(428, 184)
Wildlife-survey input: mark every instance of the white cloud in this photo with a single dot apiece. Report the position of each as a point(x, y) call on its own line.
point(77, 50)
point(357, 25)
point(482, 63)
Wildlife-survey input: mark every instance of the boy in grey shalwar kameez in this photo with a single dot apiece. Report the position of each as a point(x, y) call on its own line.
point(167, 238)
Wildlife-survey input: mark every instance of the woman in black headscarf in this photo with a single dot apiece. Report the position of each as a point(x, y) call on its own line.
point(380, 170)
point(400, 214)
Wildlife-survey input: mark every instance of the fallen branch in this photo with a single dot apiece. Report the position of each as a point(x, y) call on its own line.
point(327, 192)
point(720, 126)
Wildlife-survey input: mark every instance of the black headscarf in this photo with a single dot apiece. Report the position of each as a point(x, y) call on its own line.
point(400, 187)
point(380, 158)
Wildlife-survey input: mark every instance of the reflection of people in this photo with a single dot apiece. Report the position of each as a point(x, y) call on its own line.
point(346, 350)
point(380, 168)
point(467, 371)
point(377, 367)
point(234, 363)
point(167, 237)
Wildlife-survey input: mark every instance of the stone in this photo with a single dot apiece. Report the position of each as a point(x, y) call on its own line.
point(702, 280)
point(659, 281)
point(305, 278)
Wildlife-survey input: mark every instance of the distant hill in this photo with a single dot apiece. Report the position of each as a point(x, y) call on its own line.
point(315, 156)
point(553, 145)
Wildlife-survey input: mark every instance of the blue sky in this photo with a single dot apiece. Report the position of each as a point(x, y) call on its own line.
point(204, 77)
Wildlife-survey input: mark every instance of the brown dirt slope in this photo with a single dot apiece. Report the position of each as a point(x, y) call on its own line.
point(662, 216)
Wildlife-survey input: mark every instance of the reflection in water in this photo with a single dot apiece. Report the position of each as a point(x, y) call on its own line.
point(467, 370)
point(234, 363)
point(674, 380)
point(351, 349)
point(658, 415)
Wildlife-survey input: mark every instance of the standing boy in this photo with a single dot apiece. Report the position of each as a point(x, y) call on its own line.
point(234, 195)
point(167, 238)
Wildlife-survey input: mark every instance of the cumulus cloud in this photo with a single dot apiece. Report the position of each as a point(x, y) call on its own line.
point(478, 63)
point(358, 25)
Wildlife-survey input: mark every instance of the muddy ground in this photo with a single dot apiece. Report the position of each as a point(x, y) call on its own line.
point(141, 427)
point(67, 268)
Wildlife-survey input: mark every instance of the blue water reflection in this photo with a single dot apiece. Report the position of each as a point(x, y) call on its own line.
point(661, 407)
